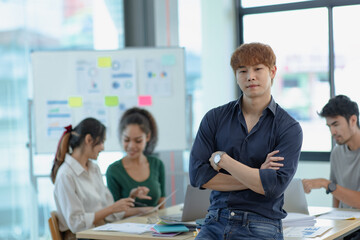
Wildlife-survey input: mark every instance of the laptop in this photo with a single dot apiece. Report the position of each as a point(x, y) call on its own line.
point(196, 204)
point(294, 198)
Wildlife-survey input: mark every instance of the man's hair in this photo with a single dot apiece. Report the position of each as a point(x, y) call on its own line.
point(249, 54)
point(340, 105)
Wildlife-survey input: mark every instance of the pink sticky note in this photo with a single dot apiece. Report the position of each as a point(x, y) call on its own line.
point(144, 100)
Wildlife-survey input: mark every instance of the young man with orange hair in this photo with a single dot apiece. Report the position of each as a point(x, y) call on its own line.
point(247, 152)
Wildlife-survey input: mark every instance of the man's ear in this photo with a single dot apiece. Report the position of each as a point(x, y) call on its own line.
point(273, 70)
point(353, 120)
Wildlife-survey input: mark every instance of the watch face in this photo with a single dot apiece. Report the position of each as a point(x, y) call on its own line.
point(217, 159)
point(332, 187)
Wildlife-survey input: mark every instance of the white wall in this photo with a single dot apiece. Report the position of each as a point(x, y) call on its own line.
point(218, 44)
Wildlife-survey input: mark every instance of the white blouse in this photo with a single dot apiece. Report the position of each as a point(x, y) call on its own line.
point(79, 194)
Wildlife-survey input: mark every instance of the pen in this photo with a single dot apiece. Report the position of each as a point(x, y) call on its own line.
point(139, 204)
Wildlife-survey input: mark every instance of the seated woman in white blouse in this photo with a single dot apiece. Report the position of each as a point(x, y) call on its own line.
point(82, 200)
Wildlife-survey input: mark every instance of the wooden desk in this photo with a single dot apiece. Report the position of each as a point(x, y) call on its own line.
point(151, 218)
point(340, 228)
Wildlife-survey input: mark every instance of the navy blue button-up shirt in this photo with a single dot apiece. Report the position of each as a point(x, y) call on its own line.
point(224, 129)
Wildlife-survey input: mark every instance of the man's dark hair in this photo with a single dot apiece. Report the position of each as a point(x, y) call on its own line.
point(340, 105)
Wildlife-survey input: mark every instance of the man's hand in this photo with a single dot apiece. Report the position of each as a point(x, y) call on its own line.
point(271, 162)
point(315, 183)
point(140, 192)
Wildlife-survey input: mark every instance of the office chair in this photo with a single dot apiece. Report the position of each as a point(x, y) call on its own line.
point(54, 227)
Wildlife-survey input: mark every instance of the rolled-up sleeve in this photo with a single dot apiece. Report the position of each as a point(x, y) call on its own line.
point(200, 170)
point(289, 145)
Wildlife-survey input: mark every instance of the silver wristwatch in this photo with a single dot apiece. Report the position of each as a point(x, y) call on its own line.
point(217, 158)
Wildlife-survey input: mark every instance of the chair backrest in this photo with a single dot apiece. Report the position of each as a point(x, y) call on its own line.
point(54, 227)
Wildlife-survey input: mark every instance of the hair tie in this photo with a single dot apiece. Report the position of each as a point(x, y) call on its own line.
point(61, 150)
point(68, 129)
point(58, 157)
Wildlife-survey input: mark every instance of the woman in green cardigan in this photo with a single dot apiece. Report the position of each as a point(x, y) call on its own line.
point(138, 168)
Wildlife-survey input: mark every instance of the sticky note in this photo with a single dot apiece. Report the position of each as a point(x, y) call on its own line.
point(75, 101)
point(104, 62)
point(111, 101)
point(168, 60)
point(144, 101)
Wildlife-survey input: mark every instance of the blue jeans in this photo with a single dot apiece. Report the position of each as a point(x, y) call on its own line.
point(234, 224)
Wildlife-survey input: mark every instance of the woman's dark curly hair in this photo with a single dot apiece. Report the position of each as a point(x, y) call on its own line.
point(145, 121)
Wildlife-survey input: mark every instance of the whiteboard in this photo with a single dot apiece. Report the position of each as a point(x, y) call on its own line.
point(69, 86)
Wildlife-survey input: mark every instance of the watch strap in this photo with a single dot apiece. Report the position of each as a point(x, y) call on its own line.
point(331, 187)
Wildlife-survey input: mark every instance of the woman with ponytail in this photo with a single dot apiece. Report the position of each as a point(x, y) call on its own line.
point(82, 200)
point(138, 136)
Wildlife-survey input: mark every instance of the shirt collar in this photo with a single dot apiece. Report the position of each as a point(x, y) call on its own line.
point(271, 106)
point(75, 165)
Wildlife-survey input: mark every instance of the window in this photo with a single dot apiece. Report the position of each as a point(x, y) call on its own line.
point(259, 3)
point(307, 37)
point(301, 85)
point(347, 51)
point(69, 24)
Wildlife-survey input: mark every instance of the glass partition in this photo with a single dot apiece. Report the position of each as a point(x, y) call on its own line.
point(39, 25)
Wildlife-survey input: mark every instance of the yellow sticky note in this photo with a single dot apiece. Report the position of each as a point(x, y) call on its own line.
point(111, 101)
point(104, 62)
point(75, 101)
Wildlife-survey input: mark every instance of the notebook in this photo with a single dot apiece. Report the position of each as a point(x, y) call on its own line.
point(294, 198)
point(170, 228)
point(196, 204)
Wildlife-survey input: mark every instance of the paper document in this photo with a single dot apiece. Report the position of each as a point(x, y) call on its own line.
point(308, 232)
point(137, 228)
point(298, 219)
point(340, 214)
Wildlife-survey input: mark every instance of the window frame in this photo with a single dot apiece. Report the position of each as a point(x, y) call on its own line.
point(329, 4)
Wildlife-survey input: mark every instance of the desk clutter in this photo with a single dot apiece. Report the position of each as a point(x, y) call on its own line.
point(168, 229)
point(303, 225)
point(298, 219)
point(330, 223)
point(160, 229)
point(135, 228)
